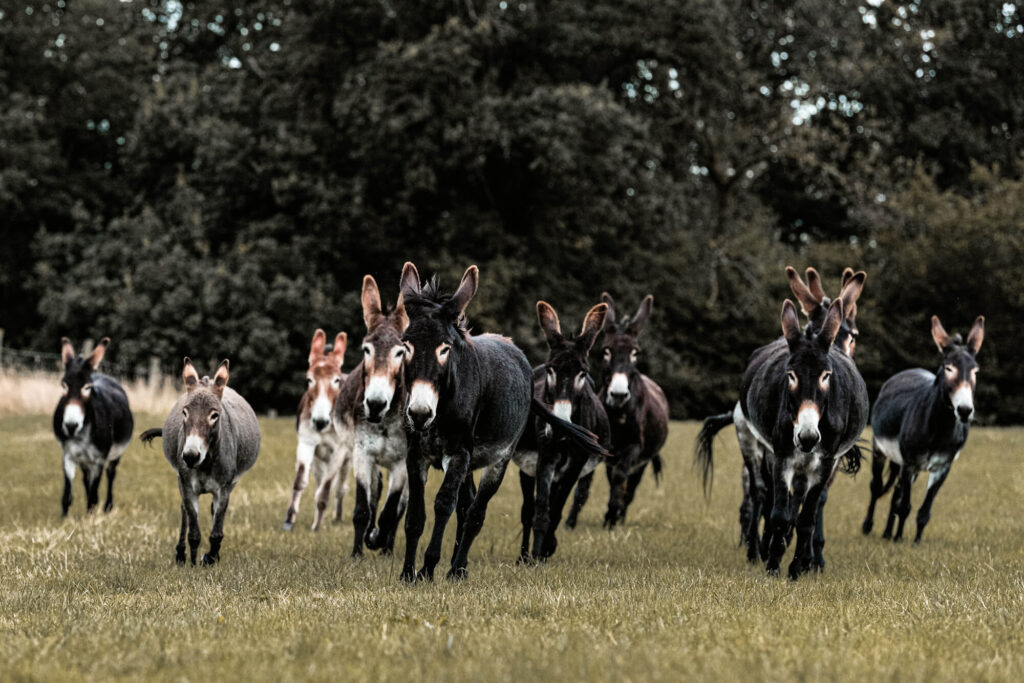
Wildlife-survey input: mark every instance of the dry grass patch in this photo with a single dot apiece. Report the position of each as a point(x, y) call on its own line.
point(37, 393)
point(668, 597)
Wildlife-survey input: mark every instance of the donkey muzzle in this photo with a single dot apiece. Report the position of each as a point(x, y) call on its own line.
point(808, 440)
point(374, 408)
point(320, 424)
point(191, 458)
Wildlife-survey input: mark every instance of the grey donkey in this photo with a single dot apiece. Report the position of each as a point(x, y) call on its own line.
point(211, 438)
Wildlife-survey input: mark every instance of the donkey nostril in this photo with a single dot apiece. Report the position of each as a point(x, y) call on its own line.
point(964, 412)
point(808, 440)
point(375, 406)
point(320, 424)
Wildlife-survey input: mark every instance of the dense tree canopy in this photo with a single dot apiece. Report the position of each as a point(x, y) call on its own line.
point(213, 179)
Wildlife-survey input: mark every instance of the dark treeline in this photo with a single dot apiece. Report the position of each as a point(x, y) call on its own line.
point(214, 179)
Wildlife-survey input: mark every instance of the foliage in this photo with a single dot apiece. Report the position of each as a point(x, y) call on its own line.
point(213, 179)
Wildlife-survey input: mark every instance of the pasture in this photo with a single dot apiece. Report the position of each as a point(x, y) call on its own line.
point(669, 596)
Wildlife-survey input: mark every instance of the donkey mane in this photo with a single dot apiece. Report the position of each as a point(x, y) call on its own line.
point(430, 301)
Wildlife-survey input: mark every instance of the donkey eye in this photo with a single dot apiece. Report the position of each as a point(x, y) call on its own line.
point(64, 388)
point(184, 413)
point(950, 370)
point(793, 381)
point(213, 417)
point(581, 379)
point(86, 390)
point(974, 374)
point(309, 381)
point(633, 355)
point(552, 377)
point(607, 355)
point(367, 350)
point(823, 380)
point(408, 349)
point(336, 381)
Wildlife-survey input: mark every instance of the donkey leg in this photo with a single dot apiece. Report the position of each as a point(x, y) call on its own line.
point(190, 503)
point(444, 505)
point(818, 544)
point(324, 481)
point(526, 512)
point(366, 474)
point(617, 481)
point(416, 513)
point(746, 504)
point(220, 508)
point(542, 504)
point(894, 475)
point(466, 495)
point(757, 493)
point(631, 484)
point(69, 477)
point(303, 463)
point(111, 473)
point(559, 494)
point(877, 467)
point(778, 521)
point(179, 551)
point(805, 524)
point(383, 535)
point(906, 483)
point(341, 484)
point(924, 513)
point(579, 500)
point(490, 480)
point(91, 476)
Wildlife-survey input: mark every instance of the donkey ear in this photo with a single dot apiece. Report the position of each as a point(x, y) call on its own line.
point(642, 314)
point(814, 284)
point(790, 322)
point(67, 351)
point(592, 326)
point(808, 302)
point(467, 288)
point(847, 274)
point(609, 319)
point(316, 348)
point(939, 334)
point(371, 301)
point(189, 375)
point(409, 284)
point(220, 380)
point(833, 321)
point(852, 288)
point(399, 315)
point(340, 344)
point(549, 323)
point(97, 354)
point(976, 335)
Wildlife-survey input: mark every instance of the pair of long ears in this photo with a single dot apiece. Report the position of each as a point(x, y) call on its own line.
point(67, 352)
point(191, 378)
point(337, 354)
point(793, 332)
point(634, 325)
point(373, 311)
point(974, 338)
point(409, 286)
point(593, 323)
point(812, 294)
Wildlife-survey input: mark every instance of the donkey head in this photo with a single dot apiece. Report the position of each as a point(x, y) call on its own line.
point(621, 350)
point(815, 304)
point(383, 351)
point(434, 340)
point(959, 368)
point(76, 385)
point(323, 379)
point(808, 372)
point(201, 412)
point(568, 368)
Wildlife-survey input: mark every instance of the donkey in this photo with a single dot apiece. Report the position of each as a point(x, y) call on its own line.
point(211, 438)
point(320, 447)
point(920, 423)
point(549, 466)
point(806, 404)
point(637, 410)
point(93, 424)
point(468, 401)
point(815, 306)
point(368, 415)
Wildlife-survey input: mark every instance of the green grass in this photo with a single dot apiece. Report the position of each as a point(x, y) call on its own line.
point(668, 596)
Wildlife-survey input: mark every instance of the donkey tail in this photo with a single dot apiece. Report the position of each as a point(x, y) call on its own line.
point(583, 438)
point(702, 448)
point(656, 466)
point(147, 436)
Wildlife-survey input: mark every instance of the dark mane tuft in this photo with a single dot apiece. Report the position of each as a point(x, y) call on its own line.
point(429, 302)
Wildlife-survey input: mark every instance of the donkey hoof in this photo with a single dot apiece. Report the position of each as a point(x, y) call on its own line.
point(897, 539)
point(772, 571)
point(357, 554)
point(425, 575)
point(524, 559)
point(457, 574)
point(570, 523)
point(288, 526)
point(179, 558)
point(373, 540)
point(866, 527)
point(408, 575)
point(108, 506)
point(209, 560)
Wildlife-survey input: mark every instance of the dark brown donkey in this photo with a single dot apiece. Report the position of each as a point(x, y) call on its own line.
point(550, 466)
point(368, 414)
point(636, 406)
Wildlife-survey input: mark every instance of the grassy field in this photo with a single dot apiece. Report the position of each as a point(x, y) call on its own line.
point(669, 596)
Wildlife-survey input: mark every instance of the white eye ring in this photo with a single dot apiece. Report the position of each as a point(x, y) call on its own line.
point(86, 390)
point(309, 381)
point(64, 388)
point(184, 413)
point(213, 417)
point(823, 380)
point(607, 355)
point(633, 355)
point(950, 370)
point(793, 381)
point(367, 350)
point(336, 381)
point(581, 379)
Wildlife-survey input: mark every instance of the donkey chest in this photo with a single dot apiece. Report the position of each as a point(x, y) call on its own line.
point(203, 482)
point(805, 466)
point(384, 445)
point(82, 451)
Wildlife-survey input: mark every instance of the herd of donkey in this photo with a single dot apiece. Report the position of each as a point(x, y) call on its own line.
point(428, 393)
